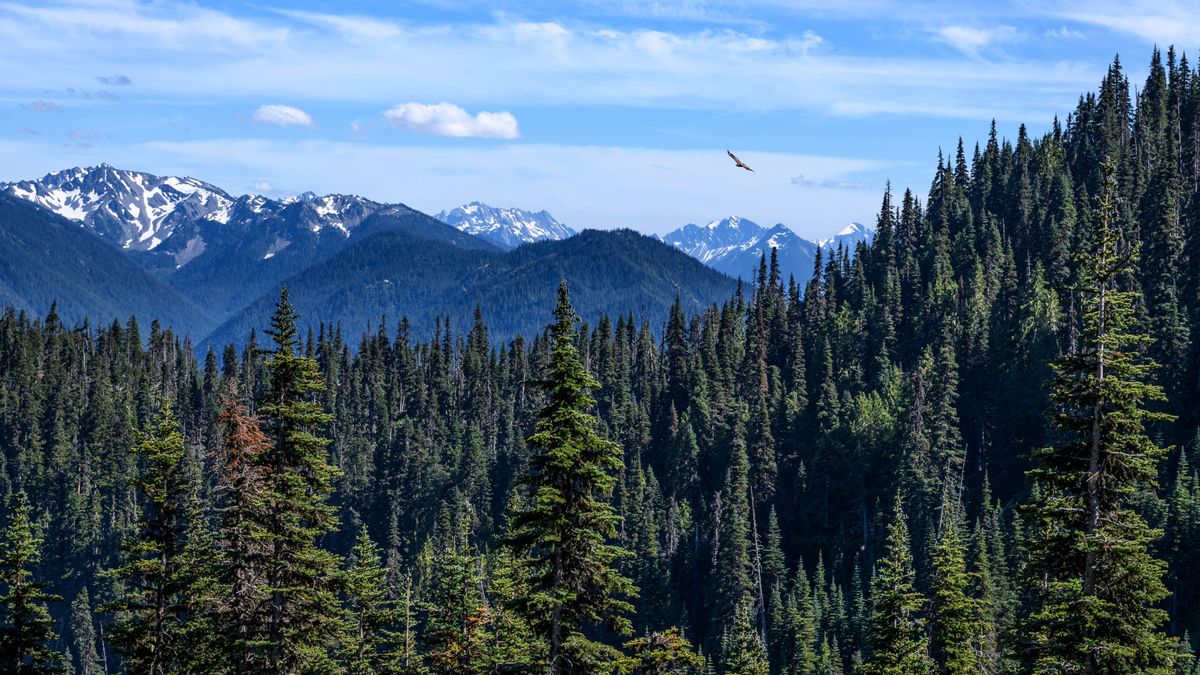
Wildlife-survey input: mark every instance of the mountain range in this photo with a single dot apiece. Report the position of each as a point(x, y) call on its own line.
point(108, 243)
point(735, 246)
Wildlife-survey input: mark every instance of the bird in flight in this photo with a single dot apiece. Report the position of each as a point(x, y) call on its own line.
point(738, 162)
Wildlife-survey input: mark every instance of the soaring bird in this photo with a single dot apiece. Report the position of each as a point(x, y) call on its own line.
point(738, 162)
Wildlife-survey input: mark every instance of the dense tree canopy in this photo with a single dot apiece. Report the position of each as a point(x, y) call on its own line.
point(853, 475)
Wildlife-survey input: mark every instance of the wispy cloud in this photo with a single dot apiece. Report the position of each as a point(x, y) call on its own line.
point(282, 115)
point(1155, 21)
point(971, 40)
point(115, 80)
point(41, 106)
point(308, 56)
point(447, 119)
point(830, 183)
point(1064, 33)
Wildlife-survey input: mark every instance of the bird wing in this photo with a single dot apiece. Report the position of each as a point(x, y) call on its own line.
point(738, 162)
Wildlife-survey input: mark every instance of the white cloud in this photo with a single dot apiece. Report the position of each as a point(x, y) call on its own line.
point(1160, 22)
point(503, 62)
point(447, 119)
point(970, 40)
point(282, 115)
point(42, 106)
point(1064, 33)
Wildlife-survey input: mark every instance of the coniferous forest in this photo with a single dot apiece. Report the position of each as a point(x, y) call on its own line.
point(968, 446)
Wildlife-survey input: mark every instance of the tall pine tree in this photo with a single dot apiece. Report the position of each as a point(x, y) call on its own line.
point(1095, 582)
point(566, 529)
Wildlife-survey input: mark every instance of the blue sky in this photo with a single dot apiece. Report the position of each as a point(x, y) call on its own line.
point(607, 113)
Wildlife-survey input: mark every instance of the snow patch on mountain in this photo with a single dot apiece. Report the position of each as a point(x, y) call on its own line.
point(137, 210)
point(505, 227)
point(735, 245)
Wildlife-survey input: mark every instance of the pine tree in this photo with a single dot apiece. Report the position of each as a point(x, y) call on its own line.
point(565, 530)
point(899, 644)
point(367, 644)
point(152, 612)
point(742, 648)
point(958, 636)
point(302, 617)
point(82, 627)
point(244, 540)
point(665, 653)
point(1095, 582)
point(457, 631)
point(733, 571)
point(26, 629)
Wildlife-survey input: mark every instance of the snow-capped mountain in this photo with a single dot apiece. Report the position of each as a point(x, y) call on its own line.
point(507, 228)
point(849, 236)
point(735, 246)
point(180, 218)
point(136, 210)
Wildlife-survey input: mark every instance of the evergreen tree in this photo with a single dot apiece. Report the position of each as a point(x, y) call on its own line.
point(302, 617)
point(367, 645)
point(26, 629)
point(457, 631)
point(152, 611)
point(665, 653)
point(899, 643)
point(742, 648)
point(565, 530)
point(959, 636)
point(1094, 580)
point(82, 627)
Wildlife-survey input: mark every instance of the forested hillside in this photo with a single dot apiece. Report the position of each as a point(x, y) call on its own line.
point(965, 447)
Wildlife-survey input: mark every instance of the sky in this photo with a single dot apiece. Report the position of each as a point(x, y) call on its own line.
point(606, 113)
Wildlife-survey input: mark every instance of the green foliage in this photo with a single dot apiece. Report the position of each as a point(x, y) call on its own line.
point(665, 653)
point(159, 577)
point(766, 430)
point(564, 531)
point(368, 644)
point(1093, 580)
point(899, 645)
point(26, 629)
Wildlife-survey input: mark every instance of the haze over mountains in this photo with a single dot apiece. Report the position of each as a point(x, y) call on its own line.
point(209, 263)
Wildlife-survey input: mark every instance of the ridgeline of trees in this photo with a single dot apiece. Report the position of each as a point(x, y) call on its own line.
point(966, 447)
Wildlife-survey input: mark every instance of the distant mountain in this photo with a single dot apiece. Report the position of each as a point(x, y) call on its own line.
point(45, 259)
point(506, 228)
point(735, 246)
point(849, 236)
point(258, 249)
point(394, 274)
point(221, 251)
point(132, 209)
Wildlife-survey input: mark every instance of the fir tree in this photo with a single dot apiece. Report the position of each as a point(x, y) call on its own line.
point(899, 645)
point(958, 634)
point(742, 648)
point(26, 629)
point(302, 617)
point(153, 610)
point(82, 627)
point(367, 645)
point(665, 653)
point(565, 530)
point(1095, 582)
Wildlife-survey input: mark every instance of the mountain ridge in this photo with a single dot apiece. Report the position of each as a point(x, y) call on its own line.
point(506, 227)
